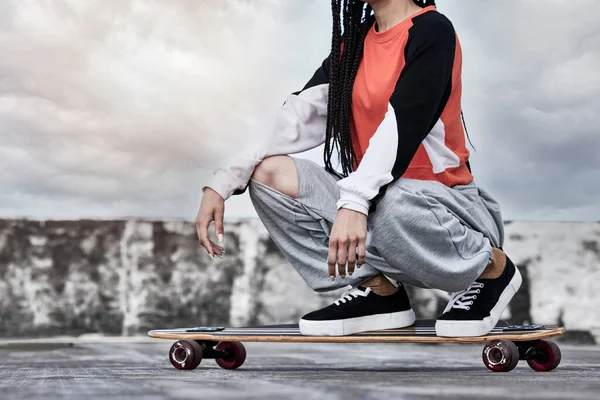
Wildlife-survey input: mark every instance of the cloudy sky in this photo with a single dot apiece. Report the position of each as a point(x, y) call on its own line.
point(116, 108)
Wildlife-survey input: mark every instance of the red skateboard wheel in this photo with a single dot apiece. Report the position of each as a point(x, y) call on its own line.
point(236, 355)
point(185, 354)
point(500, 355)
point(547, 358)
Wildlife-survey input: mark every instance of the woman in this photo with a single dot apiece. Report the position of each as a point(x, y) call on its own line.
point(387, 102)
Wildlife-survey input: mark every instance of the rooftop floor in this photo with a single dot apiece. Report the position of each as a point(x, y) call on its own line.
point(139, 368)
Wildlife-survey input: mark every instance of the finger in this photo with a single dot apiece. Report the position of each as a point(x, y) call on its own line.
point(207, 244)
point(218, 251)
point(352, 256)
point(219, 212)
point(342, 257)
point(331, 258)
point(202, 231)
point(361, 252)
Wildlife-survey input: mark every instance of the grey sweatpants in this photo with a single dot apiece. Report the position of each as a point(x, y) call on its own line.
point(422, 233)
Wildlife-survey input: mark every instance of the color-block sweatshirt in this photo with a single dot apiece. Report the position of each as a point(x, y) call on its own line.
point(406, 108)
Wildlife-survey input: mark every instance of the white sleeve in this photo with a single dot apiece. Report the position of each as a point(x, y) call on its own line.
point(375, 169)
point(299, 125)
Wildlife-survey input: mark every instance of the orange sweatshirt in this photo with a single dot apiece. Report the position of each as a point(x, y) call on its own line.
point(406, 115)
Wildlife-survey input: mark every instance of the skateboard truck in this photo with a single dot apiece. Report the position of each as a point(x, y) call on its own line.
point(502, 355)
point(187, 354)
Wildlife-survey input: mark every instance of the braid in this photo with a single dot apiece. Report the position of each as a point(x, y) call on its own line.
point(352, 19)
point(357, 18)
point(332, 106)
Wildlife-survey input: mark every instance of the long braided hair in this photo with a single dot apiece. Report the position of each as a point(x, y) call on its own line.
point(352, 19)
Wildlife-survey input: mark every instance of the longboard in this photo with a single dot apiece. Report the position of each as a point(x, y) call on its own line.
point(506, 344)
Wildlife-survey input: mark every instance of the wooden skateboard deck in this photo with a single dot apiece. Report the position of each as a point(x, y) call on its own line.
point(422, 332)
point(506, 344)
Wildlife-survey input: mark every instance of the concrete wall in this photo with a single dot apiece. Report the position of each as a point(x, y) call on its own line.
point(126, 277)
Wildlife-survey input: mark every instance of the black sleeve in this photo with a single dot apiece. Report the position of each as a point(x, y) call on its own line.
point(424, 86)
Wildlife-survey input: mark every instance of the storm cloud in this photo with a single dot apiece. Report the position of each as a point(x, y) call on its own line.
point(121, 107)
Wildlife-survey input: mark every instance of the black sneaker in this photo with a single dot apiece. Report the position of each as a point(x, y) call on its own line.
point(359, 310)
point(476, 310)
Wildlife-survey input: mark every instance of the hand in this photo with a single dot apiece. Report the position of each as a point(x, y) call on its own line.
point(349, 232)
point(212, 209)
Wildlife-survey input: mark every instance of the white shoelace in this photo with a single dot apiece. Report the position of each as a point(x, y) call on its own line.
point(352, 294)
point(464, 300)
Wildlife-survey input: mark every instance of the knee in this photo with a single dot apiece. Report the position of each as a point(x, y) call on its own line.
point(270, 169)
point(279, 173)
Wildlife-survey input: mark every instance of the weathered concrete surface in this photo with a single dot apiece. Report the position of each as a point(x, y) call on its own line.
point(112, 370)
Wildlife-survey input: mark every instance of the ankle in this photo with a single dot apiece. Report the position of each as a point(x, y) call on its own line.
point(496, 267)
point(380, 285)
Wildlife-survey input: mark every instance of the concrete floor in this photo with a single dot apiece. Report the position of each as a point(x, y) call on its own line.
point(135, 369)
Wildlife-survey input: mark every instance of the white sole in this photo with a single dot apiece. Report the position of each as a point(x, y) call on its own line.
point(343, 327)
point(481, 327)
